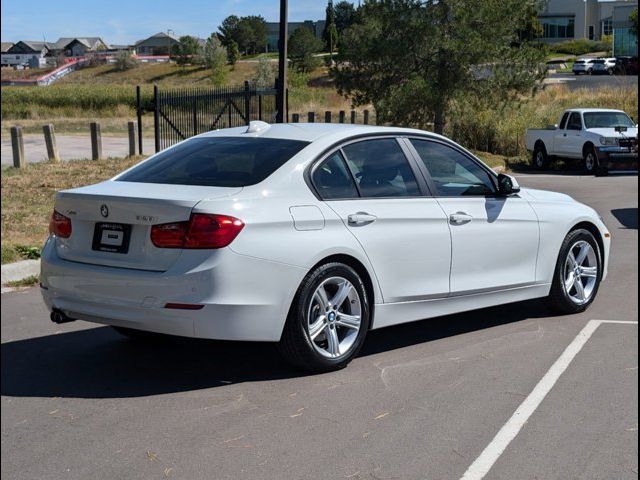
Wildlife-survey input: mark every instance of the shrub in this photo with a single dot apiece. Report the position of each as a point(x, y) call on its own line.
point(580, 46)
point(124, 61)
point(265, 73)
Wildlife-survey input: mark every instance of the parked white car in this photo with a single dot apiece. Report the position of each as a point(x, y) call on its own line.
point(311, 235)
point(583, 65)
point(603, 66)
point(601, 138)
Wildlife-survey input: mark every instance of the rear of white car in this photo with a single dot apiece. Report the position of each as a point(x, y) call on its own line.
point(583, 65)
point(603, 66)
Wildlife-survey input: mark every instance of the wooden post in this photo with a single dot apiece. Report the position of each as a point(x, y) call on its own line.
point(327, 117)
point(96, 141)
point(131, 127)
point(341, 116)
point(366, 117)
point(50, 142)
point(353, 116)
point(295, 118)
point(311, 117)
point(17, 145)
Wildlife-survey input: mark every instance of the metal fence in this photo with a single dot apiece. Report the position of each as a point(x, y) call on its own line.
point(182, 113)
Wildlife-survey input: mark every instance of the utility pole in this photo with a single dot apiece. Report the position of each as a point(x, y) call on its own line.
point(281, 95)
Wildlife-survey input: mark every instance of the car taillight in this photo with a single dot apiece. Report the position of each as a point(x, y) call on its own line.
point(201, 231)
point(60, 225)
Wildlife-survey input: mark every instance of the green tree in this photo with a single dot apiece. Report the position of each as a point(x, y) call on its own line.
point(330, 34)
point(187, 50)
point(233, 52)
point(412, 58)
point(633, 18)
point(303, 45)
point(345, 16)
point(215, 57)
point(264, 75)
point(249, 33)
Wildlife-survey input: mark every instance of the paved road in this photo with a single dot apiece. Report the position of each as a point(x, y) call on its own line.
point(422, 401)
point(71, 147)
point(592, 81)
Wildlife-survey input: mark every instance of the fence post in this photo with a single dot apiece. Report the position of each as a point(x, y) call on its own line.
point(131, 127)
point(259, 107)
point(295, 118)
point(139, 115)
point(194, 108)
point(247, 102)
point(341, 116)
point(311, 117)
point(327, 117)
point(353, 116)
point(96, 141)
point(366, 117)
point(50, 142)
point(17, 145)
point(156, 118)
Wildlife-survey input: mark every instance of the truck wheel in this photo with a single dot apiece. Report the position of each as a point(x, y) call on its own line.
point(590, 159)
point(540, 158)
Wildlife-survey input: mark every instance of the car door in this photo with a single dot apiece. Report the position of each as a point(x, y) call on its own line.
point(381, 199)
point(570, 144)
point(560, 135)
point(494, 239)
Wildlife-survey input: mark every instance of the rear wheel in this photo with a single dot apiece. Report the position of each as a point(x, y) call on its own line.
point(328, 320)
point(540, 158)
point(578, 273)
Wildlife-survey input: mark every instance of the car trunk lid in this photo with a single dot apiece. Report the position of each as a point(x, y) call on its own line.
point(111, 221)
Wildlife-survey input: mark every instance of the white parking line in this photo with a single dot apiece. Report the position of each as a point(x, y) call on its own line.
point(481, 466)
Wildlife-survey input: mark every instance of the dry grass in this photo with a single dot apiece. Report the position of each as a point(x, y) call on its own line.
point(30, 73)
point(27, 197)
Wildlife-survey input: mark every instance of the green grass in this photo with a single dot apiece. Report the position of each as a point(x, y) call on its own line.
point(25, 282)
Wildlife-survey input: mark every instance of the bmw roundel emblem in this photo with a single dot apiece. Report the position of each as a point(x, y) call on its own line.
point(104, 211)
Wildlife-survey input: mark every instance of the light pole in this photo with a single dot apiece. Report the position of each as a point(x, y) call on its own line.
point(281, 94)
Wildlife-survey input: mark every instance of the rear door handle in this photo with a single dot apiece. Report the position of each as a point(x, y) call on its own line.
point(361, 218)
point(460, 218)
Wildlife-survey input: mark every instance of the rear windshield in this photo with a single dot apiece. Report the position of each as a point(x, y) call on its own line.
point(216, 162)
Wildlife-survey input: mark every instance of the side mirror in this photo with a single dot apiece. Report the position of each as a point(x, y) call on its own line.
point(507, 185)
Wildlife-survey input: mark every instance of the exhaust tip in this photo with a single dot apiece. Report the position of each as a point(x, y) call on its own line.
point(58, 316)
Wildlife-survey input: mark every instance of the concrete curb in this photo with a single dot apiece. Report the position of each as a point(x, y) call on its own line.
point(12, 272)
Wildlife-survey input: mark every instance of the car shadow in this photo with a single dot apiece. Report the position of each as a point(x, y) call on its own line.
point(628, 217)
point(99, 363)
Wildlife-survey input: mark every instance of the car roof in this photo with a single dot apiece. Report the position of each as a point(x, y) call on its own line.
point(310, 132)
point(590, 110)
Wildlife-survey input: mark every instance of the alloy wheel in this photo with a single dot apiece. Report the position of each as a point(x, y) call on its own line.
point(334, 317)
point(581, 272)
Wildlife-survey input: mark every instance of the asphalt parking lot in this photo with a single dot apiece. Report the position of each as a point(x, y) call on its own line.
point(429, 400)
point(592, 81)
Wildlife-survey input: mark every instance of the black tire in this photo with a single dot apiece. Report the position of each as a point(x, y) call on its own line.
point(590, 161)
point(559, 299)
point(138, 335)
point(296, 345)
point(540, 159)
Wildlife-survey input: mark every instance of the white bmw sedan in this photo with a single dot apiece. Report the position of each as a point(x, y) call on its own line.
point(310, 235)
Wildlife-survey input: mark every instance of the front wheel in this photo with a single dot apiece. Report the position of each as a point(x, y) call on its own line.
point(328, 319)
point(578, 273)
point(590, 160)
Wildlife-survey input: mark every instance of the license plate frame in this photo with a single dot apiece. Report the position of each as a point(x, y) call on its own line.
point(111, 237)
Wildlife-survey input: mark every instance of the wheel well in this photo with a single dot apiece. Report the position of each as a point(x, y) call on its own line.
point(539, 143)
point(587, 146)
point(591, 228)
point(360, 269)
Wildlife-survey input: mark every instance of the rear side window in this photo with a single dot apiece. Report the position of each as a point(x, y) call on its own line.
point(381, 169)
point(332, 179)
point(216, 162)
point(575, 123)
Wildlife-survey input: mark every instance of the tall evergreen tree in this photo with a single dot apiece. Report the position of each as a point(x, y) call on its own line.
point(330, 33)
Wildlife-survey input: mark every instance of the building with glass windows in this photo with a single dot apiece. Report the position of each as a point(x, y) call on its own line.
point(563, 20)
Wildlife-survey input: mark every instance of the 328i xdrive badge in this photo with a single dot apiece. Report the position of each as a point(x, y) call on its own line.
point(311, 235)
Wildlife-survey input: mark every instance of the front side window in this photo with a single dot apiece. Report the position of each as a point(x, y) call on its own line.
point(332, 179)
point(381, 169)
point(216, 162)
point(453, 173)
point(575, 123)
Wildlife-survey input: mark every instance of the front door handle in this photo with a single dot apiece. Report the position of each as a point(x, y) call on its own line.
point(361, 218)
point(460, 218)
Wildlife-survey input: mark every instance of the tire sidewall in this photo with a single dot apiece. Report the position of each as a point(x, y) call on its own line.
point(594, 167)
point(536, 152)
point(298, 314)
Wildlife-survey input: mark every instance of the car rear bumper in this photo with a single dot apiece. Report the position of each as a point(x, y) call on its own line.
point(242, 298)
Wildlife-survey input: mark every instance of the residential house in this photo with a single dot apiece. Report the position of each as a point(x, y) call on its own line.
point(26, 53)
point(78, 46)
point(6, 46)
point(159, 44)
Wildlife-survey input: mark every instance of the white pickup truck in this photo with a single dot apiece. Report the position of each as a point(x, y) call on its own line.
point(599, 137)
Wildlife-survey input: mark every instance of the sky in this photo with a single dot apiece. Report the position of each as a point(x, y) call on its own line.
point(124, 22)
